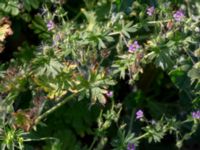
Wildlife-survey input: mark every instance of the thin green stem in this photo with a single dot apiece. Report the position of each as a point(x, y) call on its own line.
point(186, 121)
point(115, 33)
point(77, 16)
point(158, 21)
point(124, 39)
point(131, 121)
point(141, 137)
point(54, 108)
point(93, 142)
point(40, 139)
point(188, 8)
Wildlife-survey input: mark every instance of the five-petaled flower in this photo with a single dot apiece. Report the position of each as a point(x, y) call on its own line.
point(130, 146)
point(139, 114)
point(196, 114)
point(50, 25)
point(178, 15)
point(109, 93)
point(150, 10)
point(133, 47)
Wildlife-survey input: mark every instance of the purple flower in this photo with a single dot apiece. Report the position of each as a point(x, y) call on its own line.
point(130, 146)
point(109, 93)
point(196, 115)
point(133, 47)
point(50, 25)
point(178, 15)
point(139, 114)
point(150, 10)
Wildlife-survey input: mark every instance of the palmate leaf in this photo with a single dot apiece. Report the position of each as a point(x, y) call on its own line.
point(55, 91)
point(39, 27)
point(96, 86)
point(123, 139)
point(29, 4)
point(53, 88)
point(164, 60)
point(98, 94)
point(129, 28)
point(98, 38)
point(64, 80)
point(102, 40)
point(10, 7)
point(165, 54)
point(123, 63)
point(47, 67)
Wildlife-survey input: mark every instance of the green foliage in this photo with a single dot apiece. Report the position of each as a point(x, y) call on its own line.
point(28, 4)
point(83, 68)
point(10, 7)
point(39, 27)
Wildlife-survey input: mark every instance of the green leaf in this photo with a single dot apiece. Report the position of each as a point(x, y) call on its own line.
point(10, 7)
point(164, 60)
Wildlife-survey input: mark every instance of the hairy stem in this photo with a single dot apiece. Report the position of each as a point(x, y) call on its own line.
point(54, 108)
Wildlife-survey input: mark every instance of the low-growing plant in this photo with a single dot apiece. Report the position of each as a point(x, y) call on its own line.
point(102, 74)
